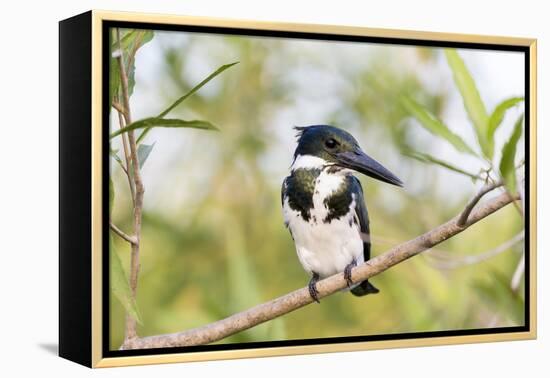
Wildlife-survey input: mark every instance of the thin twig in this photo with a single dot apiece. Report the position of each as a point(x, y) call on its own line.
point(118, 107)
point(463, 218)
point(122, 234)
point(131, 331)
point(493, 321)
point(127, 157)
point(270, 310)
point(521, 190)
point(379, 240)
point(447, 261)
point(518, 273)
point(123, 167)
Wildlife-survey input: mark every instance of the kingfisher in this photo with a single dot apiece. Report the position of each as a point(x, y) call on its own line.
point(324, 206)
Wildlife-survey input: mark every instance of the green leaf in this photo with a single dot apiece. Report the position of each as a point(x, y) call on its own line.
point(127, 37)
point(123, 33)
point(131, 41)
point(119, 161)
point(139, 38)
point(117, 158)
point(507, 167)
point(470, 96)
point(188, 94)
point(496, 119)
point(426, 158)
point(196, 88)
point(119, 283)
point(131, 79)
point(143, 153)
point(114, 78)
point(161, 122)
point(434, 125)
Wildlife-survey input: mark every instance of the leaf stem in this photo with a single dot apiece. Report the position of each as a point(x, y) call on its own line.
point(122, 234)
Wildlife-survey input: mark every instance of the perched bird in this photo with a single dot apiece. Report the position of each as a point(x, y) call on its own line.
point(324, 207)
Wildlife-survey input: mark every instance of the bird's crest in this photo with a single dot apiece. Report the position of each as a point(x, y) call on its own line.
point(300, 130)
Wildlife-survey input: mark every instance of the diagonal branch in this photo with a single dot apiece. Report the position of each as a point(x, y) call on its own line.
point(300, 298)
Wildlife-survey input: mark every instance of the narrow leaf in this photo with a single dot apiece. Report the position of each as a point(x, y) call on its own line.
point(434, 125)
point(114, 72)
point(145, 37)
point(119, 161)
point(496, 119)
point(188, 94)
point(131, 41)
point(160, 122)
point(114, 78)
point(117, 158)
point(196, 88)
point(143, 153)
point(507, 168)
point(127, 36)
point(426, 158)
point(470, 96)
point(119, 283)
point(139, 38)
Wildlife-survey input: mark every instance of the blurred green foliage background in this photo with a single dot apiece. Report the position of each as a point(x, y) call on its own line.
point(213, 239)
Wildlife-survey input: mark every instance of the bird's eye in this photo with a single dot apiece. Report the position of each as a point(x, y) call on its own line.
point(330, 143)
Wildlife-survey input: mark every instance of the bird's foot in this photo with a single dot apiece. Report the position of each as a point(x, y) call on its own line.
point(313, 288)
point(347, 272)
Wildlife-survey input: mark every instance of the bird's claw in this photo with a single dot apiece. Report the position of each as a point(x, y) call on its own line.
point(313, 292)
point(347, 272)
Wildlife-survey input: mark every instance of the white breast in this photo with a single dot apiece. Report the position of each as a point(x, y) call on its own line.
point(325, 248)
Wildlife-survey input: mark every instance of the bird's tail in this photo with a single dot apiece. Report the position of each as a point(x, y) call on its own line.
point(364, 288)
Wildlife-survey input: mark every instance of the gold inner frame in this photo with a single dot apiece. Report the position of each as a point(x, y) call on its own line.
point(96, 129)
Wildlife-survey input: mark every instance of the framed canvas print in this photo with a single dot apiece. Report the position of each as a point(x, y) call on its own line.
point(237, 189)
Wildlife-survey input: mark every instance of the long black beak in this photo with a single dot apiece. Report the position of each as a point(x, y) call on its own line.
point(361, 162)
